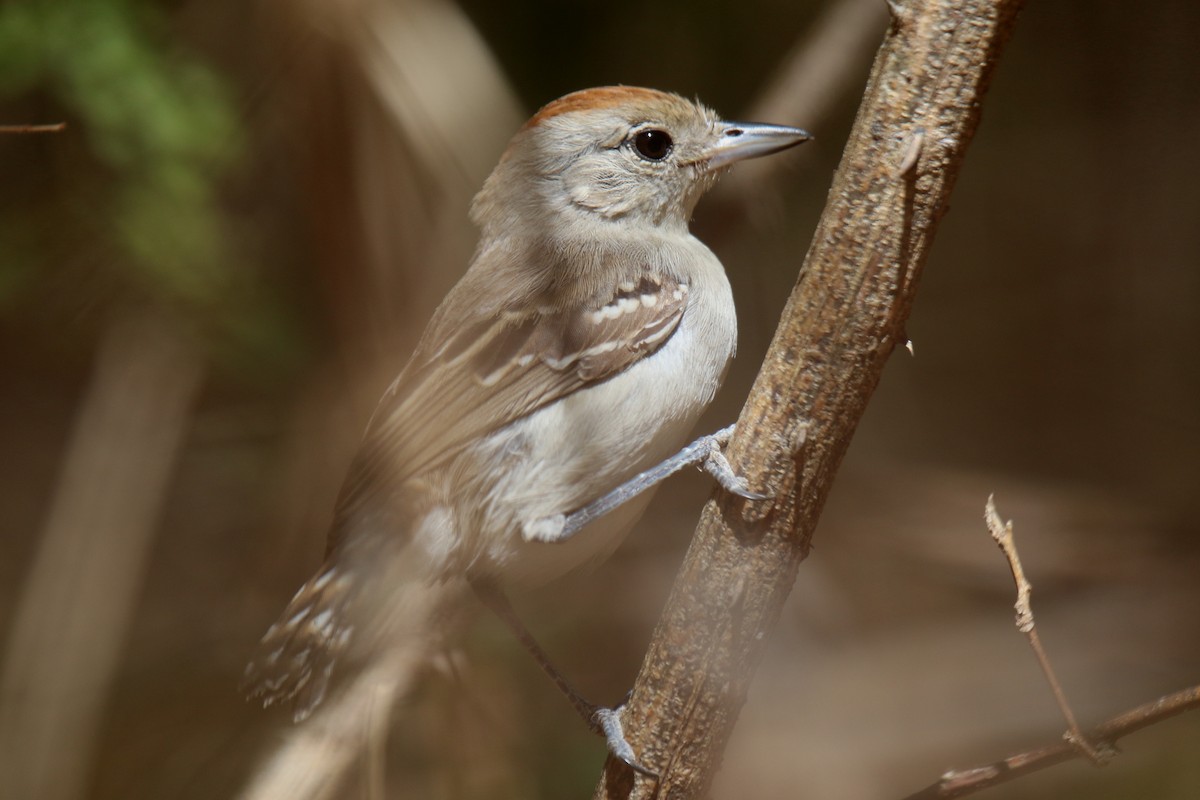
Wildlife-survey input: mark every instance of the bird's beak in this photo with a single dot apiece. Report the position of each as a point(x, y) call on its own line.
point(741, 140)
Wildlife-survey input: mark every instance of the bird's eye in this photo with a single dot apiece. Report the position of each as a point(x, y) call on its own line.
point(653, 144)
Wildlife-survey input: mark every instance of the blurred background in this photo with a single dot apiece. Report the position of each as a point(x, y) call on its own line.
point(209, 277)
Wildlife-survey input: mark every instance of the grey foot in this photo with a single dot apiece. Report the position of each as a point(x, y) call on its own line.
point(705, 452)
point(716, 465)
point(608, 722)
point(546, 529)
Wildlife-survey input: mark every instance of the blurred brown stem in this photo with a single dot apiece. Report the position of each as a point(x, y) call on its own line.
point(78, 601)
point(958, 783)
point(56, 127)
point(312, 762)
point(842, 322)
point(823, 67)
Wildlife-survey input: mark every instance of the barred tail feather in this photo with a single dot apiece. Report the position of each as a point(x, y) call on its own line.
point(297, 655)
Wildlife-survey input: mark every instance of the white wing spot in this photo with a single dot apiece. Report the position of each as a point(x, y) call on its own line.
point(649, 300)
point(304, 678)
point(603, 347)
point(657, 336)
point(560, 363)
point(492, 378)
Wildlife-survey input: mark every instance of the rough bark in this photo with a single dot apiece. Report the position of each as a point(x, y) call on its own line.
point(844, 319)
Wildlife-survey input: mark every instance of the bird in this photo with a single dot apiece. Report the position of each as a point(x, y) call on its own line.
point(576, 353)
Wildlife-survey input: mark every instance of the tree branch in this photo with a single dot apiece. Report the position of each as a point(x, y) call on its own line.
point(842, 322)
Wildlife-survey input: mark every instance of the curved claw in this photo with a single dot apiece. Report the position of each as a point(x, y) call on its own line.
point(716, 465)
point(614, 736)
point(742, 492)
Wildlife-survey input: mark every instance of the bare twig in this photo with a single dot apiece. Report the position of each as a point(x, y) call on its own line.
point(56, 127)
point(1002, 533)
point(842, 322)
point(958, 783)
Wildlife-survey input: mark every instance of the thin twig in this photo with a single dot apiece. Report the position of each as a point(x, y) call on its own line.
point(1002, 533)
point(56, 127)
point(958, 783)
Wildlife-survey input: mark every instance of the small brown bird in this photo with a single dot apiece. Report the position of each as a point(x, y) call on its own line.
point(579, 349)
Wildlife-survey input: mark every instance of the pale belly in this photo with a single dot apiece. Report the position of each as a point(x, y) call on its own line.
point(615, 430)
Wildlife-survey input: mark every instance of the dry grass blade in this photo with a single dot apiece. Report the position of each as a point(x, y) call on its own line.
point(78, 600)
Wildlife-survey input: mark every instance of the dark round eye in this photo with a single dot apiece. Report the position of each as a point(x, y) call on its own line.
point(653, 144)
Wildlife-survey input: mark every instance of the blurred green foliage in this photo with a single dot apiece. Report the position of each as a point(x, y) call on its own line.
point(160, 132)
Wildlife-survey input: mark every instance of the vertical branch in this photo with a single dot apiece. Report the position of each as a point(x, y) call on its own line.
point(843, 320)
point(78, 601)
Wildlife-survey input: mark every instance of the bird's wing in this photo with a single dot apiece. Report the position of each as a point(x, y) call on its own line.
point(498, 368)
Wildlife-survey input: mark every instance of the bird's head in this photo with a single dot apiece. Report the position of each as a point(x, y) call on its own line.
point(622, 154)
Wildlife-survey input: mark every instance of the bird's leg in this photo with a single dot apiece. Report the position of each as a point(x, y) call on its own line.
point(603, 721)
point(705, 452)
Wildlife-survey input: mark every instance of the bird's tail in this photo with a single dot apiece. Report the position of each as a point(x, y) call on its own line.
point(297, 655)
point(363, 607)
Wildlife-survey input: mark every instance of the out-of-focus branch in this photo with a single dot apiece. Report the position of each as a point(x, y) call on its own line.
point(842, 322)
point(77, 604)
point(314, 760)
point(403, 110)
point(823, 67)
point(56, 127)
point(961, 782)
point(418, 114)
point(421, 112)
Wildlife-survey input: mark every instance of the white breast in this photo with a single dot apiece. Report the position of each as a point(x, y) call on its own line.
point(573, 451)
